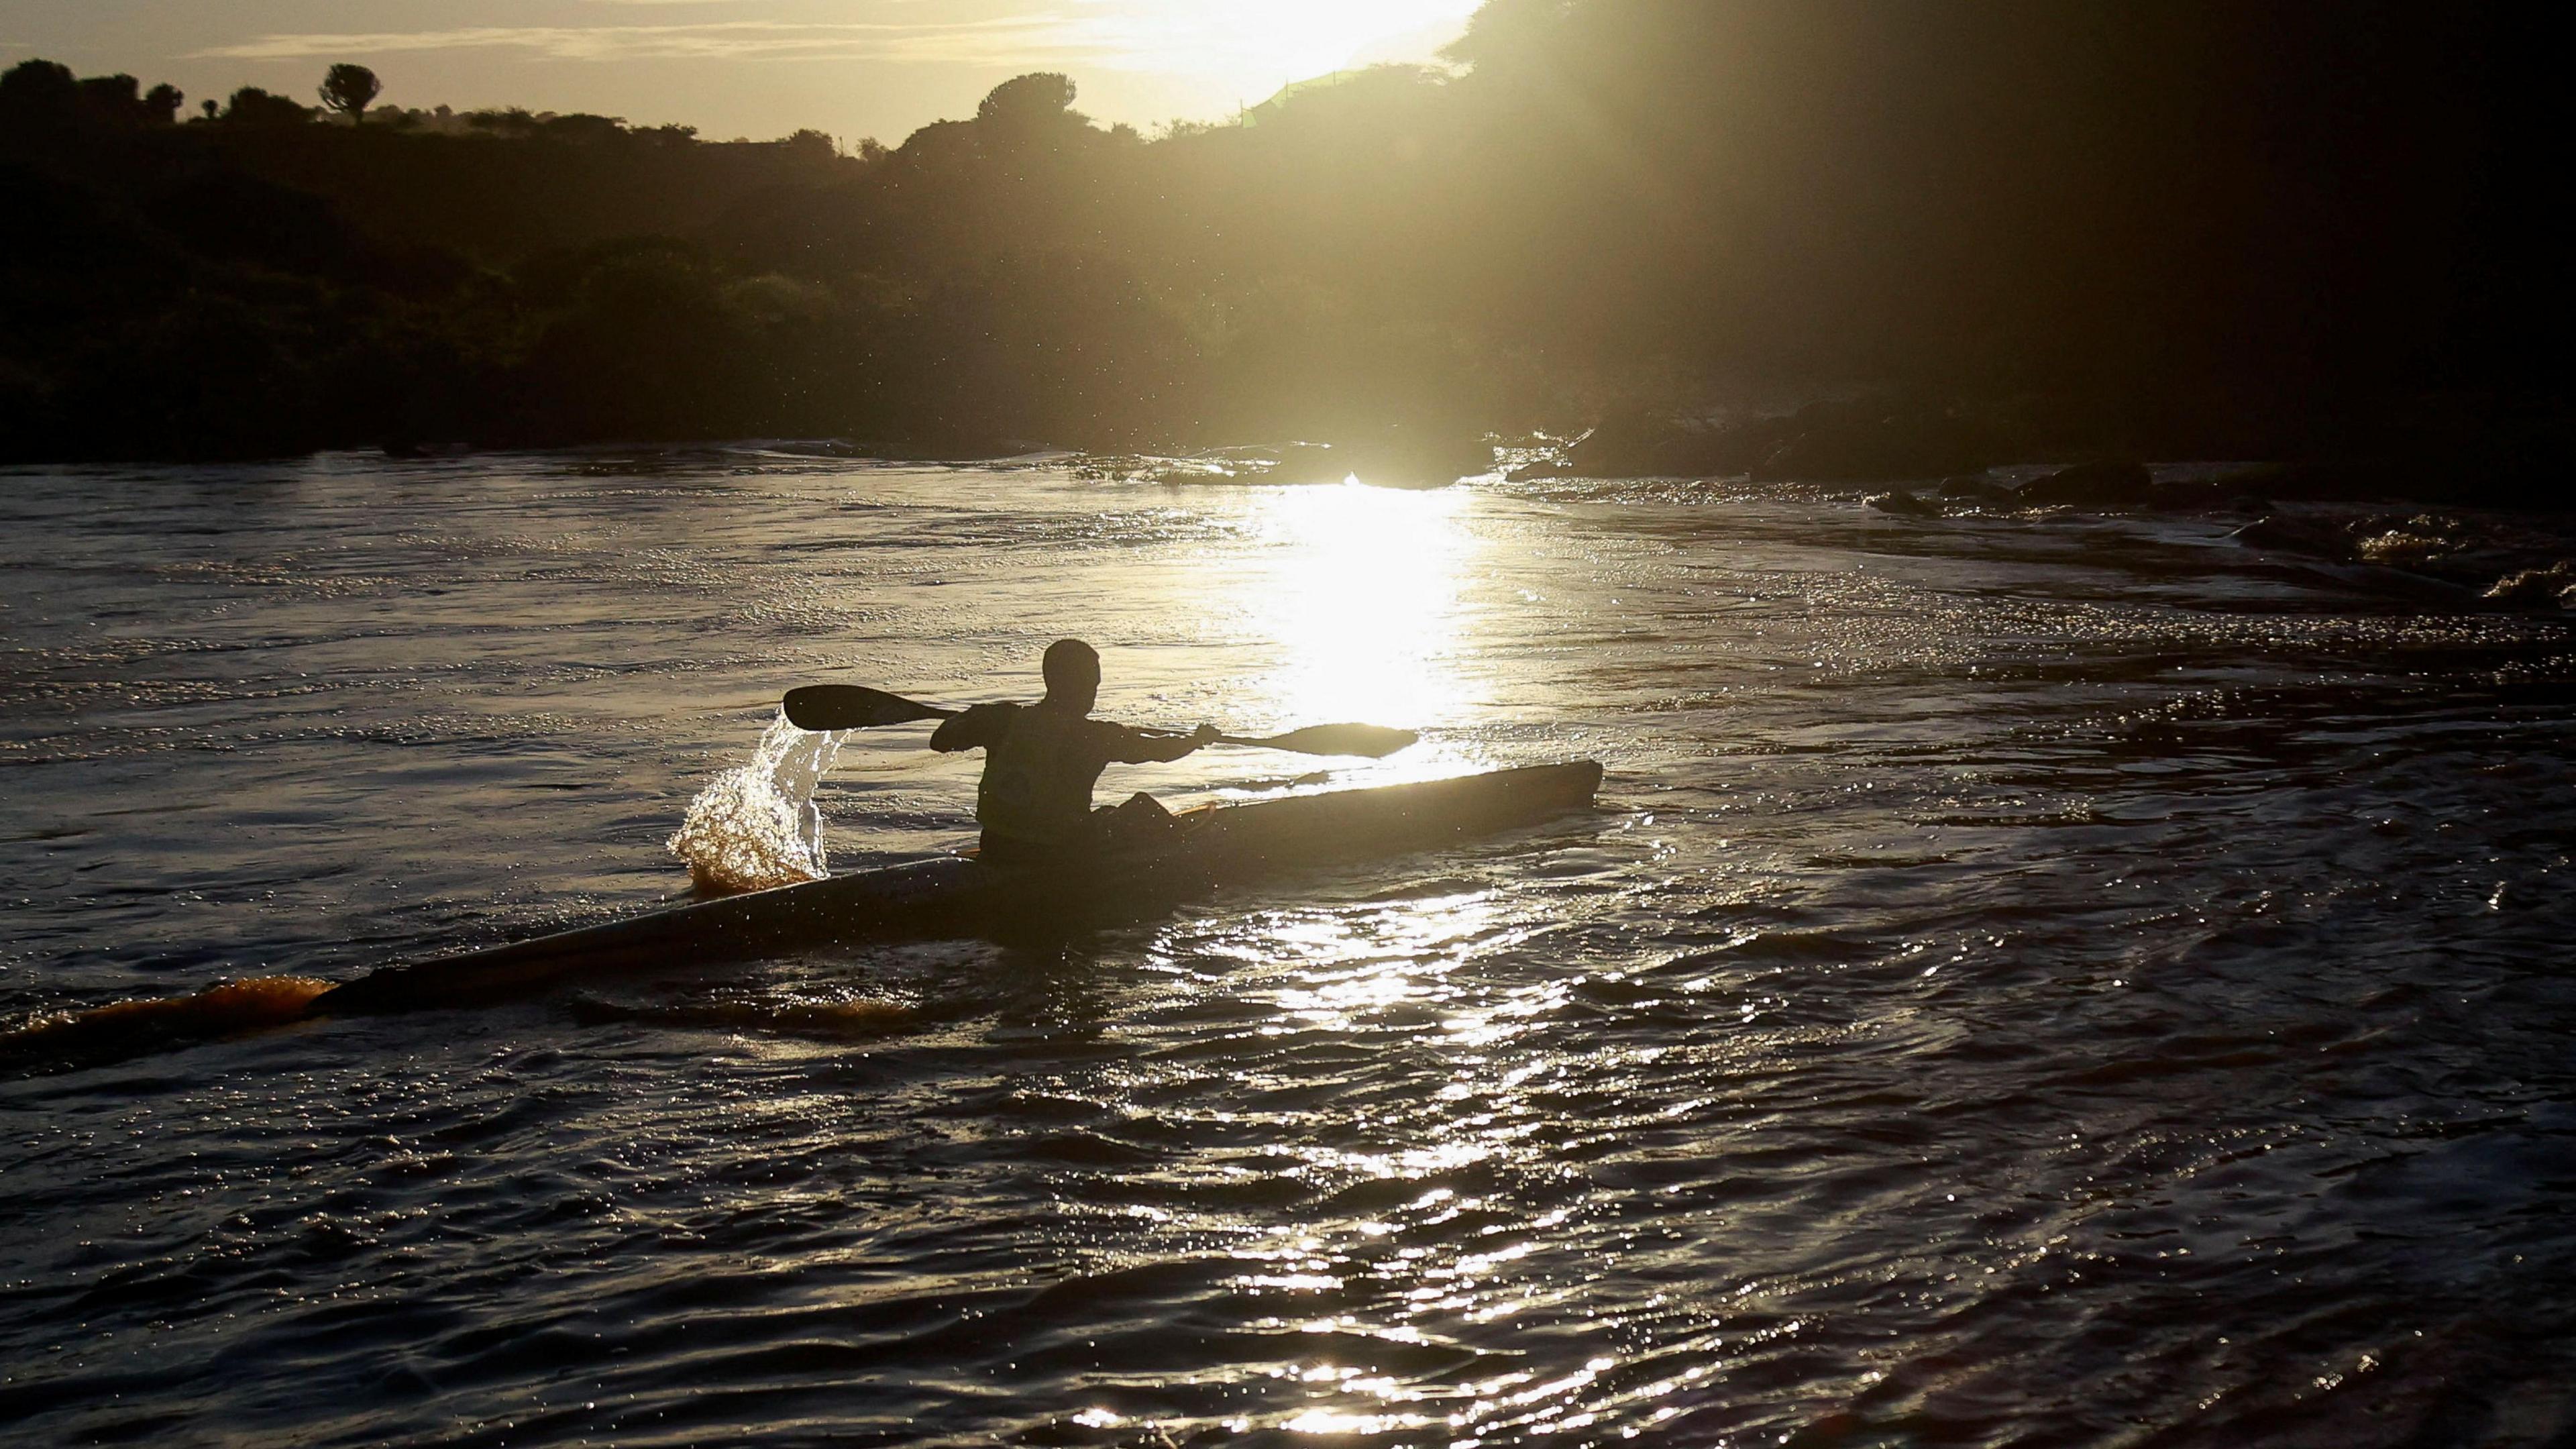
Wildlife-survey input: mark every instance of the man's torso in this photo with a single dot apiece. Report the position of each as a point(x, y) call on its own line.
point(1039, 770)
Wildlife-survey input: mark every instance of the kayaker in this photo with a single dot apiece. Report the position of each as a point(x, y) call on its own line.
point(1041, 760)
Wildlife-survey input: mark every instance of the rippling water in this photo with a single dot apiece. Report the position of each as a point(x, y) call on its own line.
point(2046, 982)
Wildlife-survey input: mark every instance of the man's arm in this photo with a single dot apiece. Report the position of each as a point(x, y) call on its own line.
point(1126, 746)
point(978, 728)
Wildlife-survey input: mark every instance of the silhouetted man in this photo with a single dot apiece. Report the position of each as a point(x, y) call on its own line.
point(1041, 760)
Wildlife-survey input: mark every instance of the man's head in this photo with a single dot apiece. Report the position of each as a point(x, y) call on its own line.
point(1072, 670)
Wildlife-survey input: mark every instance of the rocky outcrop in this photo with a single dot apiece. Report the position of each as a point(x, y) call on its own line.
point(1900, 438)
point(1903, 503)
point(1878, 441)
point(2284, 534)
point(1403, 456)
point(2513, 562)
point(1869, 440)
point(2551, 587)
point(1972, 491)
point(2093, 485)
point(2319, 481)
point(1643, 445)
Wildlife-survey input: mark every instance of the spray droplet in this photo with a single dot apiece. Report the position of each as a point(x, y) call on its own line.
point(756, 825)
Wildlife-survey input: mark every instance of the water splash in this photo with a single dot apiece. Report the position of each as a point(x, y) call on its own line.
point(756, 825)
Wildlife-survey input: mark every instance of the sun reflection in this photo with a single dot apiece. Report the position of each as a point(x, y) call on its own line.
point(1327, 1421)
point(1356, 969)
point(1356, 592)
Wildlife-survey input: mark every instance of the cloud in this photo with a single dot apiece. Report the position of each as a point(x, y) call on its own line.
point(1283, 39)
point(1001, 41)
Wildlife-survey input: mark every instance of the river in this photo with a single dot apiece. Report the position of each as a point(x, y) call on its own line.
point(2028, 981)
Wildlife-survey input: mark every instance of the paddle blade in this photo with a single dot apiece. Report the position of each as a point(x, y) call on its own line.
point(853, 707)
point(1366, 740)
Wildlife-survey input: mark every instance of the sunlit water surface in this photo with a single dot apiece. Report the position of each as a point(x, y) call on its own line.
point(2046, 983)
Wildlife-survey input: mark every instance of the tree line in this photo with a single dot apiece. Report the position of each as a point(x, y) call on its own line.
point(2195, 228)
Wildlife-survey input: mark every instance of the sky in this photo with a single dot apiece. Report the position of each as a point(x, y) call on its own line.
point(757, 68)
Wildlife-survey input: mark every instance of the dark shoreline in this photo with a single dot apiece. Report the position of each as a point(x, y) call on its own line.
point(1786, 243)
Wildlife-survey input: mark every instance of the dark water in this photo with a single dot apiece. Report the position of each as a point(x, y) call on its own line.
point(2027, 983)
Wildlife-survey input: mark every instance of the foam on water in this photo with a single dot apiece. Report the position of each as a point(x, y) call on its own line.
point(756, 825)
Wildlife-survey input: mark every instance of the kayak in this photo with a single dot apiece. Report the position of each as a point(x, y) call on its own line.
point(958, 896)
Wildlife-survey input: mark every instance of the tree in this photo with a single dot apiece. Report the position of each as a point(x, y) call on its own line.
point(1029, 101)
point(115, 100)
point(255, 107)
point(42, 93)
point(38, 93)
point(350, 89)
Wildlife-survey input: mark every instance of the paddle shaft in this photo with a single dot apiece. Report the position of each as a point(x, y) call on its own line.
point(1267, 742)
point(846, 706)
point(932, 711)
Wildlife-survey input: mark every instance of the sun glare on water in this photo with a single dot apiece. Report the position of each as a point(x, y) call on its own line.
point(1357, 593)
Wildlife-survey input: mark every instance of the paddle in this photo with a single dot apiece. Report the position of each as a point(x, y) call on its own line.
point(852, 707)
point(855, 707)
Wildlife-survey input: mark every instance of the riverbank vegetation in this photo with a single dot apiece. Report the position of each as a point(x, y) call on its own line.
point(1971, 233)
